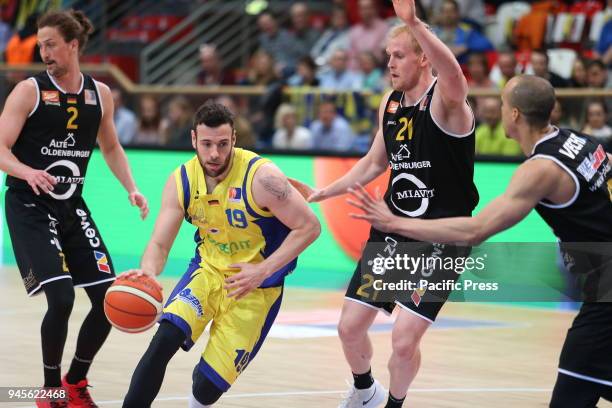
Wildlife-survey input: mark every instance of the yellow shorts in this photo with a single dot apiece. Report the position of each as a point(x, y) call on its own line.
point(238, 328)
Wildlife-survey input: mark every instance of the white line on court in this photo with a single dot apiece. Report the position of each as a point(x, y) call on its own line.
point(298, 393)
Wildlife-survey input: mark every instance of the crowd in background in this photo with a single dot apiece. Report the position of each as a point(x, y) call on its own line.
point(342, 54)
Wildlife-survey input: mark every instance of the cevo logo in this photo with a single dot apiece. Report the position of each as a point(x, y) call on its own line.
point(190, 299)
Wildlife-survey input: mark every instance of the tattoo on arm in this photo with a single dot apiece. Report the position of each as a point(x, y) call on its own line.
point(278, 186)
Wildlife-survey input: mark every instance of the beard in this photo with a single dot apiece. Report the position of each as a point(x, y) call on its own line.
point(56, 71)
point(220, 170)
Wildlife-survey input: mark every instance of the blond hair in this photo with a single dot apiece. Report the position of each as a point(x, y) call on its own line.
point(403, 28)
point(283, 110)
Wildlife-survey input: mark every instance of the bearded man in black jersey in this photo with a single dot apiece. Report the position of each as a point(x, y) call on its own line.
point(426, 137)
point(567, 178)
point(49, 128)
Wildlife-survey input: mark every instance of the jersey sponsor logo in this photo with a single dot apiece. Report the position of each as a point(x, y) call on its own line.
point(603, 176)
point(410, 165)
point(90, 97)
point(391, 122)
point(392, 108)
point(572, 146)
point(75, 172)
point(235, 194)
point(187, 297)
point(402, 154)
point(590, 164)
point(90, 232)
point(417, 295)
point(50, 97)
point(405, 193)
point(102, 261)
point(30, 281)
point(230, 248)
point(53, 229)
point(242, 360)
point(58, 148)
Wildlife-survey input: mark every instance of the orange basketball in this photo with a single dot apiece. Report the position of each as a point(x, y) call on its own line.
point(133, 304)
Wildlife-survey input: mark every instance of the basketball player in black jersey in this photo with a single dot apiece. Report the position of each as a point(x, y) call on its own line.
point(49, 127)
point(567, 178)
point(426, 136)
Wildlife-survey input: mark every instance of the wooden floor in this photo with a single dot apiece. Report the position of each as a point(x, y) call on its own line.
point(476, 356)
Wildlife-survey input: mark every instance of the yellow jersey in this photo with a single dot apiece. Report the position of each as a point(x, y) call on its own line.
point(231, 227)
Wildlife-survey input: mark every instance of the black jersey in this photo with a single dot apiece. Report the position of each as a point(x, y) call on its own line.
point(431, 170)
point(587, 216)
point(60, 134)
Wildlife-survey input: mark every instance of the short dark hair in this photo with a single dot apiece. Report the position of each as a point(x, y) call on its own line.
point(71, 24)
point(534, 97)
point(597, 101)
point(213, 115)
point(596, 63)
point(541, 51)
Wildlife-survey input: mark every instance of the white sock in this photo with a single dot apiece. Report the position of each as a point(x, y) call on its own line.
point(194, 403)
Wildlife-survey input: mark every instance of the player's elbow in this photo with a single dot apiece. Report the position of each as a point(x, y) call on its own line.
point(313, 229)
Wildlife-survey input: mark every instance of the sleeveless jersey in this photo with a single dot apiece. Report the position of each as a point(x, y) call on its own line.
point(231, 227)
point(587, 217)
point(60, 134)
point(431, 170)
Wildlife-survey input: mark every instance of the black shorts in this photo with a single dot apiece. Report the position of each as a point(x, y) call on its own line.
point(55, 239)
point(587, 351)
point(423, 303)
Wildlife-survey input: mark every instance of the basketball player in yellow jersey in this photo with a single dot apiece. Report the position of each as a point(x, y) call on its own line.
point(251, 226)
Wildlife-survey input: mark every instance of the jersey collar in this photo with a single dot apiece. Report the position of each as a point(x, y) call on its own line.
point(62, 89)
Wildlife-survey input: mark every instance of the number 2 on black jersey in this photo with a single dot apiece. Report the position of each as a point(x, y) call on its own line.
point(74, 112)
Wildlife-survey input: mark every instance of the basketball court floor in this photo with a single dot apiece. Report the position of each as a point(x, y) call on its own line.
point(475, 355)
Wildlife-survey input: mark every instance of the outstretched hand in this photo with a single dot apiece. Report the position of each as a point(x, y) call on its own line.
point(376, 211)
point(405, 10)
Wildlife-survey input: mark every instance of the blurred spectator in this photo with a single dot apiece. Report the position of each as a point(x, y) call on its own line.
point(176, 126)
point(578, 78)
point(288, 134)
point(277, 42)
point(369, 35)
point(338, 77)
point(306, 74)
point(507, 67)
point(244, 132)
point(304, 34)
point(22, 47)
point(334, 38)
point(478, 70)
point(596, 123)
point(263, 107)
point(604, 45)
point(490, 136)
point(597, 74)
point(461, 38)
point(372, 75)
point(331, 131)
point(556, 115)
point(472, 11)
point(212, 72)
point(125, 119)
point(261, 69)
point(539, 65)
point(148, 133)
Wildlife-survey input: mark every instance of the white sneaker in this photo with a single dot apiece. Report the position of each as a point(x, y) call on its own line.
point(366, 398)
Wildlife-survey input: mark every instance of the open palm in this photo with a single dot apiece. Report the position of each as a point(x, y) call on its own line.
point(405, 10)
